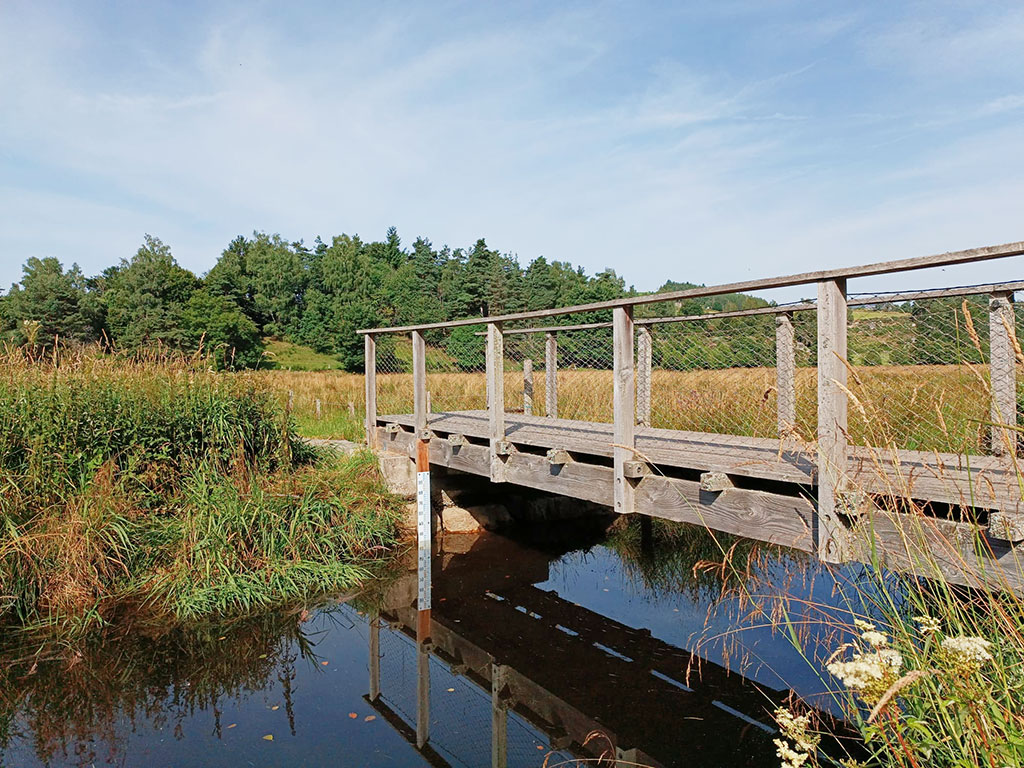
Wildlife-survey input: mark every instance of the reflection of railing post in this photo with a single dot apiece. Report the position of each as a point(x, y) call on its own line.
point(1003, 362)
point(785, 372)
point(419, 382)
point(644, 361)
point(422, 692)
point(527, 386)
point(375, 657)
point(496, 398)
point(370, 368)
point(832, 417)
point(499, 718)
point(624, 406)
point(551, 375)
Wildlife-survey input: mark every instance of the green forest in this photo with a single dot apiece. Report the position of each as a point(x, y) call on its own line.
point(265, 289)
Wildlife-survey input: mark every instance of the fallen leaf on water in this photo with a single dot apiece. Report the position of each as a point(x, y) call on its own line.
point(368, 718)
point(275, 708)
point(232, 725)
point(222, 637)
point(269, 737)
point(263, 656)
point(539, 747)
point(353, 715)
point(325, 663)
point(450, 690)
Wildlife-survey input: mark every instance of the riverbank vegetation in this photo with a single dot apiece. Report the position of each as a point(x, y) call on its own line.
point(156, 483)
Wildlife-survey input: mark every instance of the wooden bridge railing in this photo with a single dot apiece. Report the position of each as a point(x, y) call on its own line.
point(632, 368)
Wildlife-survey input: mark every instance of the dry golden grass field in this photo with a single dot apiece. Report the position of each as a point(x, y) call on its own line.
point(943, 408)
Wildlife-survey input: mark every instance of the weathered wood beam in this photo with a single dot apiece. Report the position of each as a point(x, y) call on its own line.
point(1003, 362)
point(496, 398)
point(623, 406)
point(551, 375)
point(832, 418)
point(785, 372)
point(375, 623)
point(644, 362)
point(528, 386)
point(499, 718)
point(370, 367)
point(419, 381)
point(969, 256)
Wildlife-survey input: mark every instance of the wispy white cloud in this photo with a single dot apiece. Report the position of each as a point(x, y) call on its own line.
point(549, 132)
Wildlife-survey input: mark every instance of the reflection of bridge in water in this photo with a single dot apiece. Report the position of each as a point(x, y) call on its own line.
point(510, 671)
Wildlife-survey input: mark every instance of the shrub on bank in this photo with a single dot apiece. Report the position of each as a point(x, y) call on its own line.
point(158, 480)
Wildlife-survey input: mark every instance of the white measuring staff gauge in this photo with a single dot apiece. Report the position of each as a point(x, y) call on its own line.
point(423, 536)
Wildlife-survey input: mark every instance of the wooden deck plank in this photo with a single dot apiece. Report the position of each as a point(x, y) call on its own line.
point(981, 481)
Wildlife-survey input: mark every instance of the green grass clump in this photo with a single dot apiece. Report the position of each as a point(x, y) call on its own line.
point(160, 481)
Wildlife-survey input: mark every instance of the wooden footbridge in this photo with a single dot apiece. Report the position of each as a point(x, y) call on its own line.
point(948, 510)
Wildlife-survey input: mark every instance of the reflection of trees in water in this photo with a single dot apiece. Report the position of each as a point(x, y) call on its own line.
point(71, 699)
point(72, 702)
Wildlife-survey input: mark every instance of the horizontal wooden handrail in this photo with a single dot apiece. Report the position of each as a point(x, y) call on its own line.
point(803, 278)
point(803, 306)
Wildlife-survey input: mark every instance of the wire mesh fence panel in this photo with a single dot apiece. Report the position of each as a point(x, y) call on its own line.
point(919, 375)
point(460, 717)
point(529, 747)
point(525, 369)
point(805, 353)
point(584, 376)
point(398, 673)
point(716, 376)
point(394, 374)
point(456, 367)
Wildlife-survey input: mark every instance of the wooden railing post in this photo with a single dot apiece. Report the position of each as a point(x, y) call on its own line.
point(551, 375)
point(644, 360)
point(499, 717)
point(419, 382)
point(496, 398)
point(785, 372)
point(370, 355)
point(624, 406)
point(375, 622)
point(527, 386)
point(832, 418)
point(1003, 362)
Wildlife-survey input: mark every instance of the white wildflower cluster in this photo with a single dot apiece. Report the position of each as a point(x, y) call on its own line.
point(790, 757)
point(796, 729)
point(874, 638)
point(927, 624)
point(866, 671)
point(970, 652)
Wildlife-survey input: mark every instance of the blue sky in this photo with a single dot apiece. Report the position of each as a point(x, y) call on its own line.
point(691, 141)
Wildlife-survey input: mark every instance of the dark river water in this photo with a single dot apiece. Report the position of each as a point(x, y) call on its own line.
point(564, 646)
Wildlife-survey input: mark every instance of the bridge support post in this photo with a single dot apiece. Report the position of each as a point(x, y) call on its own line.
point(527, 387)
point(624, 406)
point(551, 375)
point(832, 419)
point(496, 398)
point(1003, 362)
point(370, 367)
point(499, 717)
point(785, 372)
point(644, 362)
